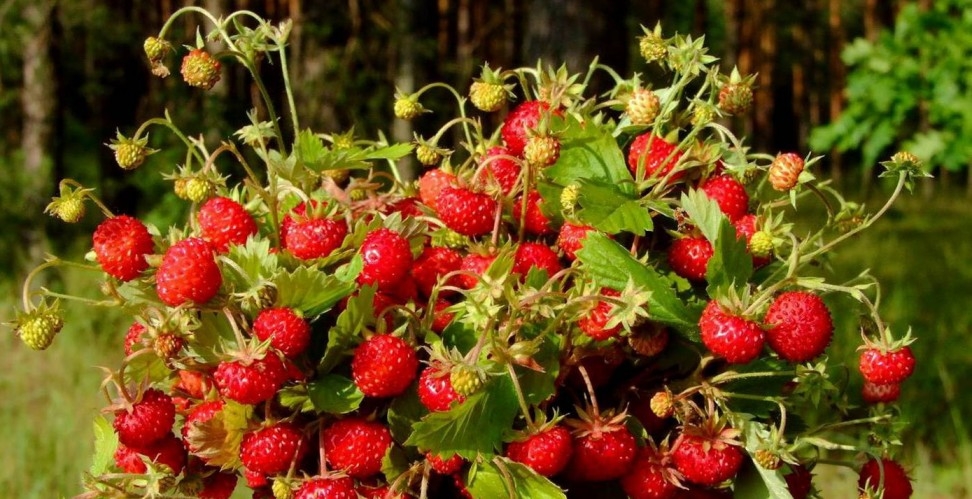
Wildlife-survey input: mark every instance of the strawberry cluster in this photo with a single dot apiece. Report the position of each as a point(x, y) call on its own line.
point(603, 295)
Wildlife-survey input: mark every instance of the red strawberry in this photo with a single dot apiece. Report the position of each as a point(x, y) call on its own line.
point(120, 245)
point(271, 450)
point(258, 482)
point(745, 228)
point(473, 265)
point(128, 460)
point(387, 257)
point(433, 263)
point(408, 207)
point(383, 366)
point(441, 317)
point(147, 421)
point(285, 328)
point(435, 390)
point(706, 461)
point(168, 451)
point(603, 450)
point(886, 474)
point(445, 466)
point(225, 222)
point(250, 382)
point(799, 326)
point(134, 337)
point(201, 413)
point(460, 485)
point(535, 222)
point(218, 485)
point(523, 119)
point(356, 446)
point(729, 194)
point(874, 394)
point(594, 323)
point(315, 237)
point(529, 255)
point(466, 212)
point(193, 383)
point(653, 151)
point(378, 492)
point(547, 452)
point(499, 169)
point(571, 238)
point(331, 487)
point(430, 185)
point(887, 367)
point(734, 338)
point(689, 256)
point(799, 481)
point(188, 273)
point(649, 478)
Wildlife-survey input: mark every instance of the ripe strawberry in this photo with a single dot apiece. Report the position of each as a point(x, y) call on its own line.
point(734, 338)
point(250, 382)
point(746, 229)
point(188, 273)
point(730, 195)
point(541, 151)
point(314, 237)
point(445, 466)
point(285, 328)
point(329, 487)
point(383, 366)
point(382, 491)
point(120, 245)
point(199, 69)
point(129, 461)
point(594, 323)
point(435, 390)
point(706, 461)
point(498, 168)
point(147, 421)
point(799, 481)
point(689, 257)
point(408, 207)
point(649, 478)
point(655, 157)
point(441, 317)
point(387, 257)
point(547, 451)
point(571, 238)
point(520, 121)
point(784, 172)
point(535, 222)
point(167, 451)
point(201, 413)
point(193, 383)
point(430, 184)
point(799, 326)
point(356, 446)
point(218, 485)
point(466, 212)
point(433, 263)
point(271, 449)
point(603, 450)
point(531, 255)
point(887, 475)
point(134, 338)
point(873, 393)
point(473, 265)
point(224, 222)
point(460, 485)
point(887, 367)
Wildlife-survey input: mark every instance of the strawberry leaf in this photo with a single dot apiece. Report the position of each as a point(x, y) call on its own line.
point(334, 394)
point(704, 213)
point(394, 464)
point(213, 330)
point(611, 265)
point(610, 209)
point(106, 441)
point(756, 482)
point(473, 427)
point(404, 411)
point(311, 291)
point(731, 264)
point(502, 477)
point(352, 320)
point(295, 398)
point(253, 259)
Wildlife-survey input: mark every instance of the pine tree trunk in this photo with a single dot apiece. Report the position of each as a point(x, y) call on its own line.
point(836, 73)
point(405, 80)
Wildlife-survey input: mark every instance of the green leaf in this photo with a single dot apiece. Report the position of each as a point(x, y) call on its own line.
point(334, 394)
point(730, 265)
point(106, 441)
point(404, 411)
point(613, 266)
point(588, 152)
point(309, 148)
point(394, 464)
point(254, 259)
point(754, 481)
point(608, 208)
point(311, 291)
point(474, 427)
point(502, 477)
point(539, 386)
point(348, 327)
point(704, 213)
point(295, 398)
point(213, 330)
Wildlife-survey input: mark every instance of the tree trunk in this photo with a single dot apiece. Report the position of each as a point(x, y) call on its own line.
point(405, 80)
point(836, 73)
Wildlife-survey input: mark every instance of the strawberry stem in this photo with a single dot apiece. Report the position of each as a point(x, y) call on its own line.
point(590, 389)
point(25, 294)
point(524, 407)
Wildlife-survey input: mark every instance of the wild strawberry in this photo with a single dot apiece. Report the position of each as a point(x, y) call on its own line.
point(258, 482)
point(734, 338)
point(445, 466)
point(541, 150)
point(427, 154)
point(642, 107)
point(120, 245)
point(156, 48)
point(134, 337)
point(271, 450)
point(689, 257)
point(706, 461)
point(408, 207)
point(784, 172)
point(735, 98)
point(758, 243)
point(430, 184)
point(146, 421)
point(663, 404)
point(658, 156)
point(466, 380)
point(886, 475)
point(224, 222)
point(473, 265)
point(250, 382)
point(432, 264)
point(460, 485)
point(531, 255)
point(571, 238)
point(285, 328)
point(129, 461)
point(548, 451)
point(329, 487)
point(887, 367)
point(383, 366)
point(168, 345)
point(435, 390)
point(499, 168)
point(69, 206)
point(314, 237)
point(487, 96)
point(729, 194)
point(188, 273)
point(167, 451)
point(193, 383)
point(130, 153)
point(649, 478)
point(799, 481)
point(196, 189)
point(594, 322)
point(874, 394)
point(652, 46)
point(641, 408)
point(200, 69)
point(387, 257)
point(799, 326)
point(201, 413)
point(381, 491)
point(649, 340)
point(218, 485)
point(441, 318)
point(356, 446)
point(407, 107)
point(521, 121)
point(604, 449)
point(535, 222)
point(38, 328)
point(465, 211)
point(767, 459)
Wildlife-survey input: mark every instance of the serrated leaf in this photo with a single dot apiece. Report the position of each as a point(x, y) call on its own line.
point(473, 427)
point(754, 481)
point(106, 441)
point(347, 329)
point(502, 477)
point(704, 213)
point(334, 394)
point(212, 331)
point(730, 265)
point(254, 259)
point(309, 290)
point(295, 398)
point(611, 265)
point(309, 148)
point(404, 411)
point(539, 386)
point(609, 209)
point(394, 464)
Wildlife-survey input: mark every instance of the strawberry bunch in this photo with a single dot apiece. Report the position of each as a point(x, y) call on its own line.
point(603, 295)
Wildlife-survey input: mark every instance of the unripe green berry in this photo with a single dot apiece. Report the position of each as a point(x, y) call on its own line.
point(465, 380)
point(427, 155)
point(652, 47)
point(130, 155)
point(199, 189)
point(487, 96)
point(761, 244)
point(407, 108)
point(642, 107)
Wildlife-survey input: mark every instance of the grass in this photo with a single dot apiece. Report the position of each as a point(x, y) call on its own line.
point(921, 253)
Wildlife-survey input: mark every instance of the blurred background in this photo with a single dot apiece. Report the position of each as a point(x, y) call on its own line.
point(855, 80)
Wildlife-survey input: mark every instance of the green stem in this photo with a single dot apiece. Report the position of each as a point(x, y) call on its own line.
point(178, 133)
point(287, 87)
point(852, 422)
point(459, 99)
point(34, 273)
point(733, 376)
point(524, 407)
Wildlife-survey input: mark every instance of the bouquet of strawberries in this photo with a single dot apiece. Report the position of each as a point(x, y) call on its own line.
point(603, 297)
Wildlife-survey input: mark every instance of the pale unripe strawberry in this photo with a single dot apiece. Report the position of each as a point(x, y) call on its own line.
point(541, 150)
point(427, 155)
point(761, 245)
point(662, 404)
point(69, 209)
point(38, 328)
point(643, 107)
point(767, 459)
point(200, 69)
point(735, 98)
point(784, 172)
point(465, 380)
point(130, 153)
point(487, 96)
point(652, 47)
point(156, 48)
point(407, 108)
